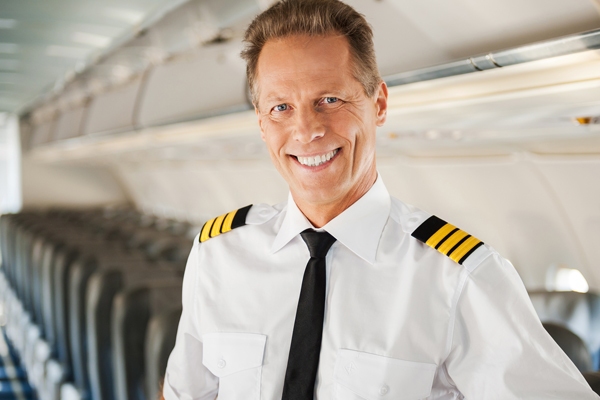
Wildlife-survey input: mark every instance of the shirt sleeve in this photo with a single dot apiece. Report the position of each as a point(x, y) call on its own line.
point(186, 378)
point(500, 350)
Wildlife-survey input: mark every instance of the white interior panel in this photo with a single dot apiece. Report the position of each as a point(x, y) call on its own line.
point(201, 190)
point(210, 80)
point(42, 133)
point(575, 182)
point(505, 203)
point(69, 186)
point(69, 123)
point(114, 110)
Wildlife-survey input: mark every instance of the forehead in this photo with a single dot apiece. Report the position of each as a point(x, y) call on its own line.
point(304, 60)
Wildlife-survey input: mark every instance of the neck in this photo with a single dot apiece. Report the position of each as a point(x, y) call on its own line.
point(319, 214)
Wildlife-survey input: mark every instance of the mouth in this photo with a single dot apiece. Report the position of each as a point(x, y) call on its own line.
point(315, 161)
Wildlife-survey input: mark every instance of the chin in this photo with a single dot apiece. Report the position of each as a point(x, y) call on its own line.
point(320, 196)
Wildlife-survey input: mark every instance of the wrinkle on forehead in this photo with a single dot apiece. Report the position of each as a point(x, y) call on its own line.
point(279, 74)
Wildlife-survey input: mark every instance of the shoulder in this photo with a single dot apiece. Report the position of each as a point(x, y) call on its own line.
point(250, 215)
point(435, 234)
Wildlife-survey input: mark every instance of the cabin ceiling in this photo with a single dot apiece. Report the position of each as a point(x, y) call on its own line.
point(41, 41)
point(45, 47)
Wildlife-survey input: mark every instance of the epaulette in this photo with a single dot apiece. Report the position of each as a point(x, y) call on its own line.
point(447, 239)
point(224, 223)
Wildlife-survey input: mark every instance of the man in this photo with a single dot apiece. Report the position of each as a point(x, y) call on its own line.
point(393, 303)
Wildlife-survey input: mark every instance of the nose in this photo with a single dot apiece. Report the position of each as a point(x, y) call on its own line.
point(308, 125)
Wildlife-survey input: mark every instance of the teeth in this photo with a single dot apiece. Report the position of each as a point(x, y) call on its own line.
point(317, 160)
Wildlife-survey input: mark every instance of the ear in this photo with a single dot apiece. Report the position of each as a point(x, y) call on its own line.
point(381, 103)
point(260, 122)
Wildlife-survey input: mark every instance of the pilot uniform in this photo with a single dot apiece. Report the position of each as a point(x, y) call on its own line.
point(403, 320)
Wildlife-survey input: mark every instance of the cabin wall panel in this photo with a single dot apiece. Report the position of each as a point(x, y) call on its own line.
point(575, 183)
point(201, 190)
point(69, 186)
point(505, 204)
point(113, 110)
point(42, 133)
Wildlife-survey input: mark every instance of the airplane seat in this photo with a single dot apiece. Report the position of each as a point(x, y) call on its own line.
point(103, 287)
point(64, 259)
point(580, 312)
point(143, 237)
point(169, 248)
point(71, 255)
point(81, 270)
point(160, 340)
point(593, 379)
point(133, 310)
point(572, 345)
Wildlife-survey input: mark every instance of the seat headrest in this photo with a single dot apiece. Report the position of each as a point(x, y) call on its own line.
point(571, 344)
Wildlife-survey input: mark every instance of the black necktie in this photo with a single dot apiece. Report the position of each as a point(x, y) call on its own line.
point(303, 360)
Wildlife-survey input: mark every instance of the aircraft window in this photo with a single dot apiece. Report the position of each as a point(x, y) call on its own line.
point(10, 161)
point(564, 279)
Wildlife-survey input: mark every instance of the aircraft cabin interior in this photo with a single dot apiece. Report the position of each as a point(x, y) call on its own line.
point(125, 125)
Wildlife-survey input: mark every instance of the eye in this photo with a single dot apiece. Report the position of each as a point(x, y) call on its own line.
point(330, 100)
point(281, 107)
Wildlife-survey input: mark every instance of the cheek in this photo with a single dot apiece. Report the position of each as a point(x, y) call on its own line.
point(274, 140)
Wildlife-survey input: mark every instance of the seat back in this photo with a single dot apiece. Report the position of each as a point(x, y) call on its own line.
point(133, 310)
point(103, 287)
point(571, 344)
point(160, 340)
point(580, 312)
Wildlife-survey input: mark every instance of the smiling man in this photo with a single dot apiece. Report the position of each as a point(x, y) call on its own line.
point(343, 292)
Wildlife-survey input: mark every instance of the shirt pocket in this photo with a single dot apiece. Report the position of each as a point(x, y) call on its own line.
point(364, 376)
point(236, 359)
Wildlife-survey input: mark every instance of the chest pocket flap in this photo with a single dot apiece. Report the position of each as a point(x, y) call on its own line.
point(376, 377)
point(228, 353)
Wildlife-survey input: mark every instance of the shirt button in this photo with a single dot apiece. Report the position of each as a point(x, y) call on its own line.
point(384, 390)
point(222, 363)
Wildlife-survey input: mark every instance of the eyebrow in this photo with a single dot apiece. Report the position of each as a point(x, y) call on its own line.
point(274, 98)
point(322, 93)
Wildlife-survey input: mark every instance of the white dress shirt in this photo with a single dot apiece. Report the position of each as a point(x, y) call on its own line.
point(402, 321)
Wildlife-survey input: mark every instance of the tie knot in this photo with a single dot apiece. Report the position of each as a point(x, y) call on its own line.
point(318, 242)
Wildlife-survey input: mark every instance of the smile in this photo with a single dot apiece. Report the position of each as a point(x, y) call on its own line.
point(317, 160)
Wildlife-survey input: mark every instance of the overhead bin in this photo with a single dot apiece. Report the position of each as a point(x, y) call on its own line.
point(209, 81)
point(113, 111)
point(42, 133)
point(69, 123)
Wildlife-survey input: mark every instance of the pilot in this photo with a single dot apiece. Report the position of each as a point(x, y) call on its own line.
point(344, 292)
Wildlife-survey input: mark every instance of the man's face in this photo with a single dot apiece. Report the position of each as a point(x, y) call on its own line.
point(317, 121)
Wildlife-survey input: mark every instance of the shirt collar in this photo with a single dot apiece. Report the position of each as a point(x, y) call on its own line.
point(359, 227)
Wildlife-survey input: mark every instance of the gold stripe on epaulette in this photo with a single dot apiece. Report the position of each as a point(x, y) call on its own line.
point(447, 239)
point(224, 223)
